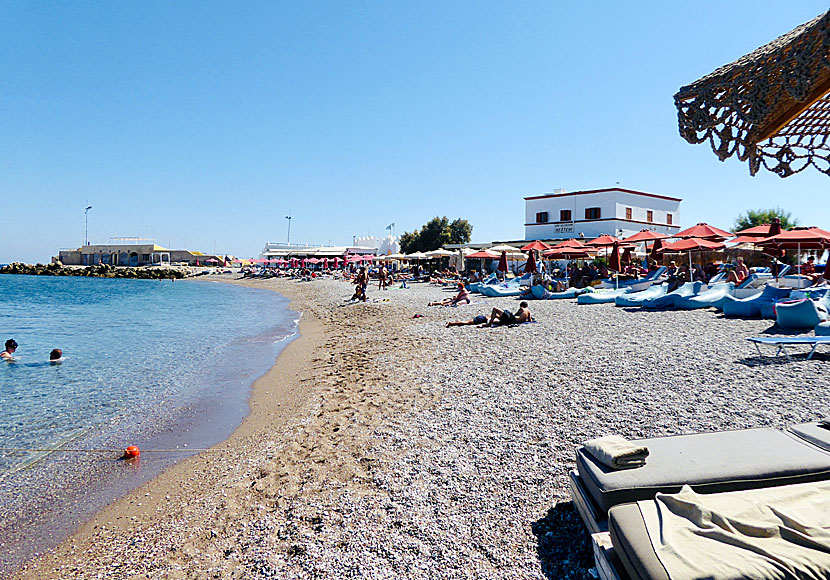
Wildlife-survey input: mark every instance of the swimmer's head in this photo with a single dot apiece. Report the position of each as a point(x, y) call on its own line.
point(11, 344)
point(55, 354)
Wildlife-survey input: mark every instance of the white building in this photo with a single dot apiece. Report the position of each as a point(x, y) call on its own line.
point(590, 214)
point(387, 245)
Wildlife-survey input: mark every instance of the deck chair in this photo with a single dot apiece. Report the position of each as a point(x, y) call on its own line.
point(782, 342)
point(708, 462)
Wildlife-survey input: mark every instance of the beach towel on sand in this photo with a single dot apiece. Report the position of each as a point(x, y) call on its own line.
point(617, 452)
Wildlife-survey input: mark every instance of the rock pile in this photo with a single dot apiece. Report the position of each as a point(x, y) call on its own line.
point(97, 271)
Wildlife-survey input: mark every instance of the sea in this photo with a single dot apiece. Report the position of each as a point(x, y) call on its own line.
point(163, 365)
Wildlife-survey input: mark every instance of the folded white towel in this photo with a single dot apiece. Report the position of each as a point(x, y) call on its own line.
point(617, 452)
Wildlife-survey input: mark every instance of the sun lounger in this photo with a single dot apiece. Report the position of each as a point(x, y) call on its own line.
point(541, 293)
point(686, 290)
point(708, 462)
point(804, 313)
point(771, 533)
point(751, 307)
point(637, 298)
point(601, 296)
point(782, 342)
point(653, 277)
point(715, 296)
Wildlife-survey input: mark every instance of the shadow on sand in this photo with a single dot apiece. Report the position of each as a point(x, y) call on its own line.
point(563, 544)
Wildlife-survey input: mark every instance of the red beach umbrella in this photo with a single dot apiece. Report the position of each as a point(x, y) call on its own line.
point(657, 250)
point(567, 253)
point(810, 238)
point(693, 245)
point(614, 260)
point(503, 262)
point(762, 231)
point(645, 236)
point(483, 254)
point(704, 230)
point(604, 241)
point(530, 265)
point(570, 243)
point(536, 245)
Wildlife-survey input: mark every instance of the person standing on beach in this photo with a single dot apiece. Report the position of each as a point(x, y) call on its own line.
point(8, 354)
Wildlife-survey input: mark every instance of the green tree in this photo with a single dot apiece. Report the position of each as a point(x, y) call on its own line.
point(759, 217)
point(408, 241)
point(437, 232)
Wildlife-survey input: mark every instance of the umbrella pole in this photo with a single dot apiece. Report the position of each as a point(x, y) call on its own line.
point(798, 258)
point(691, 272)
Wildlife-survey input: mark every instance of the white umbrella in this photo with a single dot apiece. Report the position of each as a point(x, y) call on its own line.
point(439, 253)
point(416, 256)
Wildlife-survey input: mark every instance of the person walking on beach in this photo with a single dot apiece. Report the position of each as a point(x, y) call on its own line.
point(382, 273)
point(8, 354)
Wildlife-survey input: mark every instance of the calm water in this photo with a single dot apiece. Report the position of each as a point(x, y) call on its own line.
point(161, 365)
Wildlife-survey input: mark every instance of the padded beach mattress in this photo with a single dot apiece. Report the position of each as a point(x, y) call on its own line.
point(768, 533)
point(710, 463)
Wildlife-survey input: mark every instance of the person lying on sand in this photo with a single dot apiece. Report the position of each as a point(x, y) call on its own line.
point(505, 317)
point(463, 294)
point(497, 318)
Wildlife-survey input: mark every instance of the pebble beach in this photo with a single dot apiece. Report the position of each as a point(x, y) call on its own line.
point(384, 445)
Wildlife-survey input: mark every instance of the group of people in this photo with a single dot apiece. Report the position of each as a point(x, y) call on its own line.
point(11, 347)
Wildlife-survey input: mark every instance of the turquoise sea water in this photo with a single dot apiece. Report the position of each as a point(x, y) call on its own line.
point(164, 365)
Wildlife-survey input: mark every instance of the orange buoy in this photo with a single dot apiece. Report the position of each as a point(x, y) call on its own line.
point(131, 452)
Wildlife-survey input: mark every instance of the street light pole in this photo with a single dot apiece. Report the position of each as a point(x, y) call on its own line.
point(288, 217)
point(86, 225)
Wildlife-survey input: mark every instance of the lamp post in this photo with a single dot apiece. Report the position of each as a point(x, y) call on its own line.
point(288, 217)
point(86, 225)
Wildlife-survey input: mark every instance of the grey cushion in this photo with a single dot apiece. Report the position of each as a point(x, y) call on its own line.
point(632, 543)
point(816, 432)
point(709, 462)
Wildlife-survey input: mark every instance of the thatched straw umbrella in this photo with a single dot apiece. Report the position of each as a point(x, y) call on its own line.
point(770, 107)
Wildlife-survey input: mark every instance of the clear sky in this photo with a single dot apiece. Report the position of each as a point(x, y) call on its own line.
point(206, 123)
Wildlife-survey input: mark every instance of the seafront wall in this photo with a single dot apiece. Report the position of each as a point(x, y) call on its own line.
point(98, 271)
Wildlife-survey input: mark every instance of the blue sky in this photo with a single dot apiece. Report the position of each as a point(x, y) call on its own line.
point(205, 123)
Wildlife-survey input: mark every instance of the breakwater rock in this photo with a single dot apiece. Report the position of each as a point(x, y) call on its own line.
point(97, 271)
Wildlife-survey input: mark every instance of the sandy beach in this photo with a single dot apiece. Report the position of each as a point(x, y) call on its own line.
point(382, 445)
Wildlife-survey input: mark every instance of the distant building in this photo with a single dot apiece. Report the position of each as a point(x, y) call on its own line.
point(273, 250)
point(133, 255)
point(590, 214)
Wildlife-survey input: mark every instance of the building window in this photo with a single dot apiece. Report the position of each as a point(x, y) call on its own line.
point(542, 217)
point(649, 216)
point(668, 218)
point(564, 215)
point(628, 213)
point(592, 213)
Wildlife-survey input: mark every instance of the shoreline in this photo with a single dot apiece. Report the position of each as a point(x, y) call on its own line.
point(143, 504)
point(419, 451)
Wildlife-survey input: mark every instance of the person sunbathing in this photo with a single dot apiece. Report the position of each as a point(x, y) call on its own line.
point(463, 294)
point(739, 273)
point(480, 319)
point(504, 317)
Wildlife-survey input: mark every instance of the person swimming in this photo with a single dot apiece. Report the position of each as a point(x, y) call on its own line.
point(56, 355)
point(8, 354)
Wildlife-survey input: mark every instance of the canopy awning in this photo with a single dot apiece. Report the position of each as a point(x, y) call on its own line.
point(770, 107)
